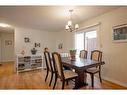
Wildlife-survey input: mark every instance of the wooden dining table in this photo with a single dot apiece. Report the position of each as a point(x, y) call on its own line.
point(80, 65)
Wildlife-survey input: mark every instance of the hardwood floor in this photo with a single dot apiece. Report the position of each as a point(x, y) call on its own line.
point(35, 80)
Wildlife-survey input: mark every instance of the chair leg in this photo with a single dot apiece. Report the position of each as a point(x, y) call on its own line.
point(46, 75)
point(92, 79)
point(55, 81)
point(51, 78)
point(100, 77)
point(63, 82)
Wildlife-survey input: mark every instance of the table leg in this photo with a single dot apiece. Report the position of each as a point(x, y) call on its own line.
point(81, 80)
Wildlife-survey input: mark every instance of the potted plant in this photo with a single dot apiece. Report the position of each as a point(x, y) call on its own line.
point(72, 54)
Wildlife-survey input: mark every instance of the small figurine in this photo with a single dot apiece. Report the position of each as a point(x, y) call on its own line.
point(22, 52)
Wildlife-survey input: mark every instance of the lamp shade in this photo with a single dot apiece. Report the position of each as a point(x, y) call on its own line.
point(69, 23)
point(76, 26)
point(66, 27)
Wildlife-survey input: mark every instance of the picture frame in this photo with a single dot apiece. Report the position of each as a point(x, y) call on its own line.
point(8, 42)
point(119, 33)
point(37, 44)
point(60, 46)
point(26, 40)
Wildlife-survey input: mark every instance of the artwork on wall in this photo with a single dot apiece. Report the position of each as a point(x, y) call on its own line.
point(37, 44)
point(8, 42)
point(120, 33)
point(60, 46)
point(26, 40)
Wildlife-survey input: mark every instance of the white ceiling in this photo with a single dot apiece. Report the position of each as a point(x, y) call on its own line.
point(48, 18)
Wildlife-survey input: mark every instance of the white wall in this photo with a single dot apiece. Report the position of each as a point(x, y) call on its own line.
point(67, 38)
point(46, 39)
point(7, 51)
point(0, 48)
point(114, 54)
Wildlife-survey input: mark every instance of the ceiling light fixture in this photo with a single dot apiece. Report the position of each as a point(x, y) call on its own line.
point(4, 25)
point(70, 27)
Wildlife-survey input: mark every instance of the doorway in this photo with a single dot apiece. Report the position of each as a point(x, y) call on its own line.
point(6, 51)
point(86, 41)
point(7, 46)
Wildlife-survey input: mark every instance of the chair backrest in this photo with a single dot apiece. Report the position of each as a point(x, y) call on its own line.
point(83, 54)
point(48, 60)
point(64, 54)
point(96, 55)
point(58, 64)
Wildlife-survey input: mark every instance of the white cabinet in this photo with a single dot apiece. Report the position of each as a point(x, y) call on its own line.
point(26, 63)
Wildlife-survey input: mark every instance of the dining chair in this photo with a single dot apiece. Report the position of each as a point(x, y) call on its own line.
point(49, 65)
point(64, 75)
point(64, 54)
point(83, 54)
point(97, 56)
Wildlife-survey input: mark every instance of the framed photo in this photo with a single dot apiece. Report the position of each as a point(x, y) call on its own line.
point(60, 46)
point(37, 44)
point(120, 33)
point(26, 40)
point(8, 42)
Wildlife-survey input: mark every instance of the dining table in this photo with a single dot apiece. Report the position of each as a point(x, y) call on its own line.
point(80, 65)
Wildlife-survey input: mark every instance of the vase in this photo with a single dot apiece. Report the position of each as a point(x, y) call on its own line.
point(73, 57)
point(33, 51)
point(22, 52)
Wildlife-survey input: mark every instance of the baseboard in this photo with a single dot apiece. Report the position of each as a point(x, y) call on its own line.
point(7, 60)
point(115, 81)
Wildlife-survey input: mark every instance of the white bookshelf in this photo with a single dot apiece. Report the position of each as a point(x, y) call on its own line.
point(28, 62)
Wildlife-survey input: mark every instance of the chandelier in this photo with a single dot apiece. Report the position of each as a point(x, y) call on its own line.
point(70, 27)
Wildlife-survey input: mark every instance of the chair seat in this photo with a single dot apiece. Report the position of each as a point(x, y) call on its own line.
point(92, 70)
point(68, 74)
